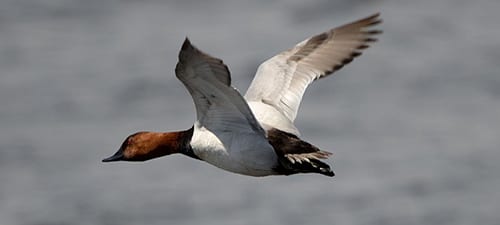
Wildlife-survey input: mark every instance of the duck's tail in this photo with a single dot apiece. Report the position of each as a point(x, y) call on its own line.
point(297, 156)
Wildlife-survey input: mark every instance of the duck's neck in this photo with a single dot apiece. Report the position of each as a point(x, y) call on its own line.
point(169, 143)
point(185, 148)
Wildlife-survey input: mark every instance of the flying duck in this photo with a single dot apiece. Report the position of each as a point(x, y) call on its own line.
point(253, 134)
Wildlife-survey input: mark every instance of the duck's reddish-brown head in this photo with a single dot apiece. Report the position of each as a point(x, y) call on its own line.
point(144, 146)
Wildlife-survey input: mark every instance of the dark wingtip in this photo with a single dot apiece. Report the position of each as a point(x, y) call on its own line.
point(186, 44)
point(375, 15)
point(187, 49)
point(375, 18)
point(374, 32)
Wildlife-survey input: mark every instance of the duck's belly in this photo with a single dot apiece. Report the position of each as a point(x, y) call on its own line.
point(247, 154)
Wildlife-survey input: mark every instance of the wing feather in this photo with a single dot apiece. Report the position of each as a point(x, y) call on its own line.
point(219, 107)
point(282, 80)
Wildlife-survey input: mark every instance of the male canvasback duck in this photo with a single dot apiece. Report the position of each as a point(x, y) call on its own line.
point(253, 135)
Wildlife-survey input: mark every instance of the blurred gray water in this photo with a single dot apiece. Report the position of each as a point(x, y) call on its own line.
point(414, 123)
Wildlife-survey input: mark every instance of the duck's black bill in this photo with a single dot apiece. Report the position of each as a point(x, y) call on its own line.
point(116, 157)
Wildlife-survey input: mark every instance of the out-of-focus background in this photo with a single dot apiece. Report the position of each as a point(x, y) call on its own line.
point(414, 123)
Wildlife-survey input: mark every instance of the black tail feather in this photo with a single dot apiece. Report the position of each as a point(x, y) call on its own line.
point(286, 167)
point(296, 155)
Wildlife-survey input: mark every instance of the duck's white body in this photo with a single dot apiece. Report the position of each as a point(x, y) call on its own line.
point(238, 152)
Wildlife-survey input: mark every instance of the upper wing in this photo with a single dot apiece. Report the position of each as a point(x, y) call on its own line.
point(219, 106)
point(281, 80)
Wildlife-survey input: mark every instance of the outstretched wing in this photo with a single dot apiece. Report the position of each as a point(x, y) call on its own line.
point(219, 107)
point(281, 81)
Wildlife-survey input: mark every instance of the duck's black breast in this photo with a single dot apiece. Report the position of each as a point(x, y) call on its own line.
point(186, 146)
